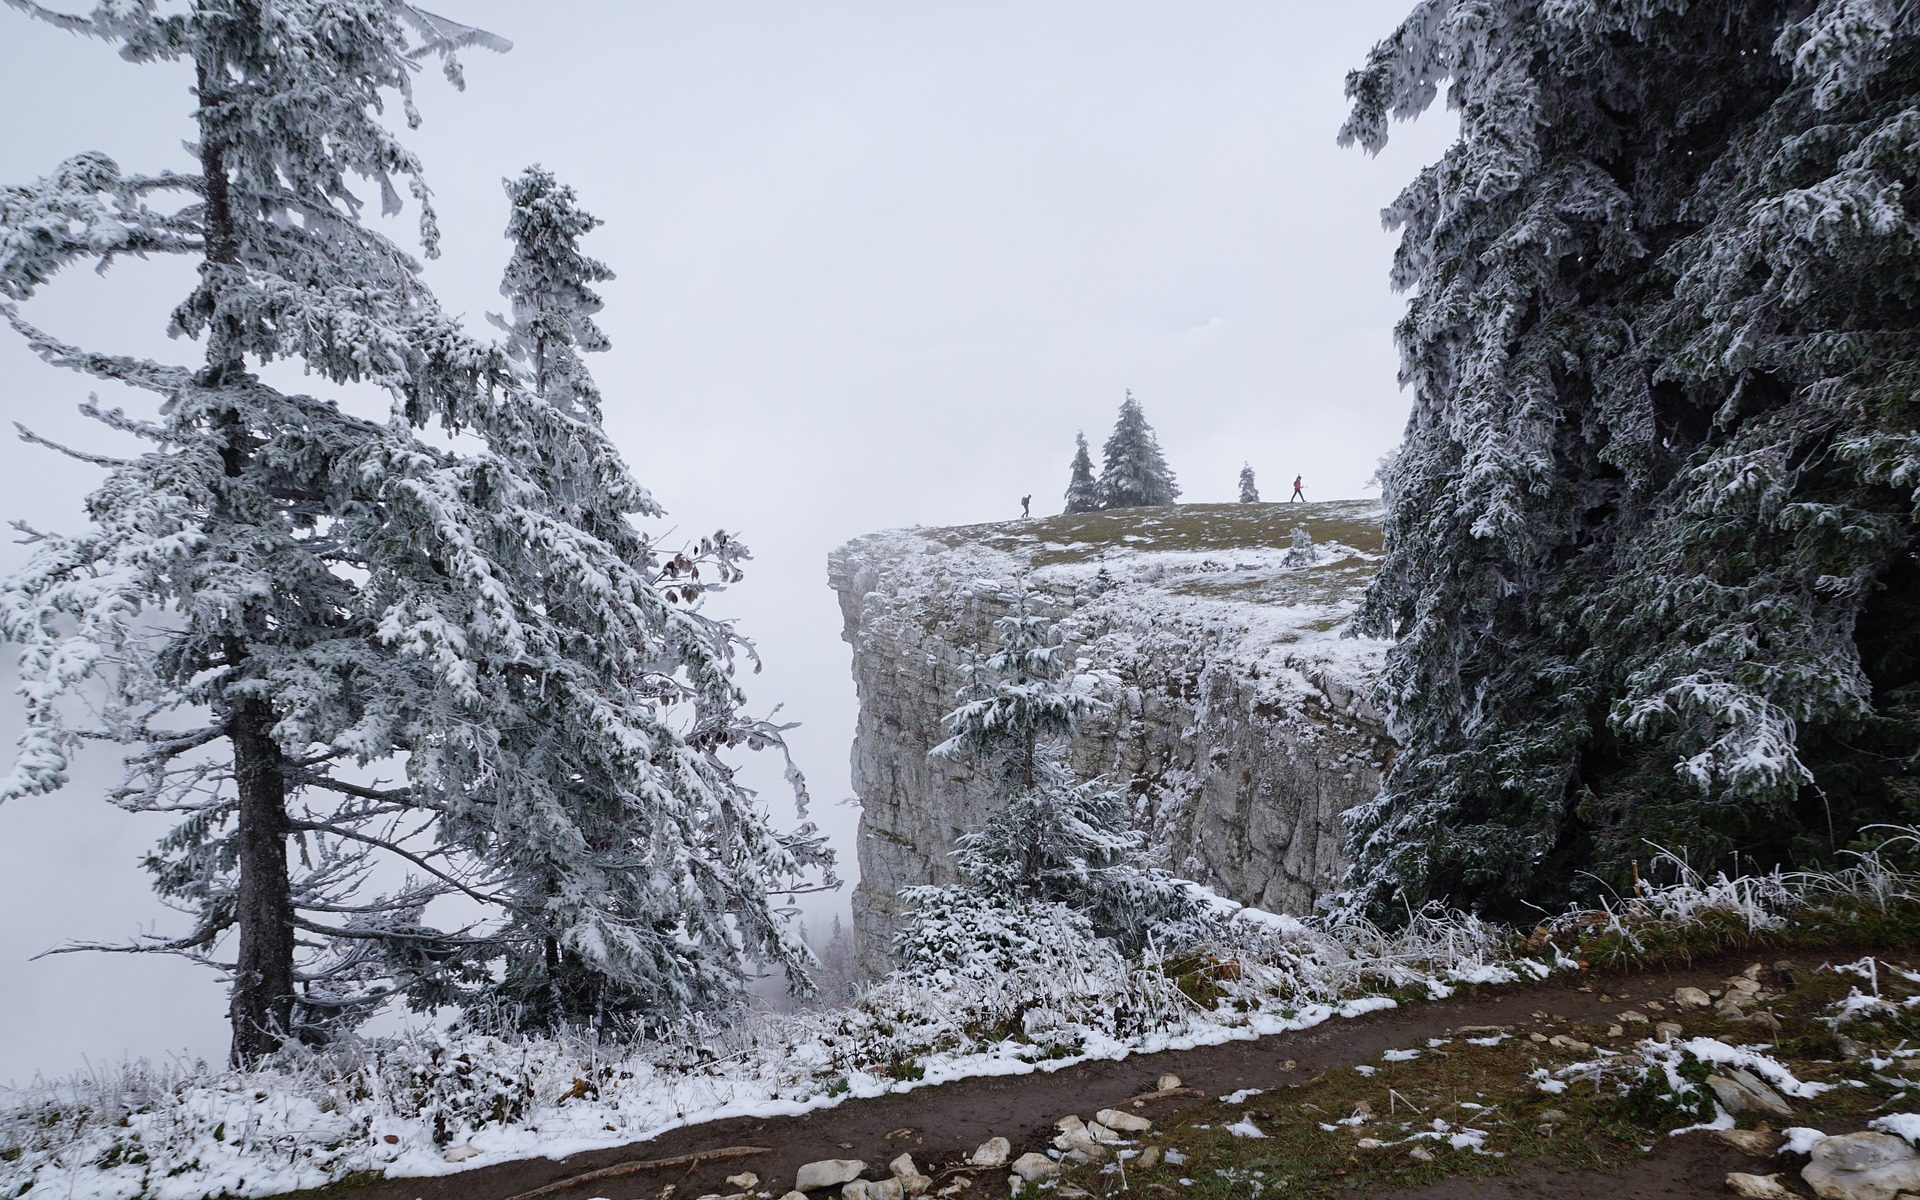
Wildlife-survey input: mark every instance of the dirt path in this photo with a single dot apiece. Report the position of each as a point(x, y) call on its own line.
point(945, 1123)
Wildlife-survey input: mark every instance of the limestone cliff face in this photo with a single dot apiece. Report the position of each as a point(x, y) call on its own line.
point(1236, 707)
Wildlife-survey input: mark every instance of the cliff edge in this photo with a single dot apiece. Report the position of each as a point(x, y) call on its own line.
point(1237, 708)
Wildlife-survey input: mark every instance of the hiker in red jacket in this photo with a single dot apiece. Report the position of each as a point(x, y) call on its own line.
point(1297, 493)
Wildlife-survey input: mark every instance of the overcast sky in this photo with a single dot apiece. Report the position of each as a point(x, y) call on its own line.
point(878, 262)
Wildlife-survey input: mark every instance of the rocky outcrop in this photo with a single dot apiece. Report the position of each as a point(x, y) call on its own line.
point(1237, 711)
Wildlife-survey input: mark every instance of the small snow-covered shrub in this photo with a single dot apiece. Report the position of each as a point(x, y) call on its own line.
point(957, 933)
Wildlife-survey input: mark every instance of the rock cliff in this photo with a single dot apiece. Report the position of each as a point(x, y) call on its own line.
point(1238, 710)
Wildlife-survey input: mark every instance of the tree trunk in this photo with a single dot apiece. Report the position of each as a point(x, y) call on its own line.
point(261, 1006)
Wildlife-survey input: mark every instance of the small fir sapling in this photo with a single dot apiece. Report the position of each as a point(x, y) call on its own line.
point(1083, 494)
point(1053, 840)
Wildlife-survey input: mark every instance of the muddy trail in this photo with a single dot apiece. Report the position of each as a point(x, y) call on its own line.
point(941, 1125)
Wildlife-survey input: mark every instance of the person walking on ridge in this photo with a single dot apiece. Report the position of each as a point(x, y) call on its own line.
point(1026, 505)
point(1297, 493)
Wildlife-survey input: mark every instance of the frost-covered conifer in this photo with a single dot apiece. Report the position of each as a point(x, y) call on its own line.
point(250, 610)
point(1054, 840)
point(1651, 536)
point(1301, 551)
point(1083, 494)
point(1249, 493)
point(549, 282)
point(640, 874)
point(282, 604)
point(1134, 474)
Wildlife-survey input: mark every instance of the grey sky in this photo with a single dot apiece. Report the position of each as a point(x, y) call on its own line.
point(877, 262)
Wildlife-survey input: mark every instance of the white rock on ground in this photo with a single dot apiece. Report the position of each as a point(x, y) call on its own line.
point(1691, 997)
point(1760, 1143)
point(1740, 1090)
point(826, 1173)
point(1032, 1167)
point(991, 1153)
point(1169, 1082)
point(1862, 1166)
point(746, 1181)
point(794, 1195)
point(855, 1190)
point(460, 1153)
point(1125, 1122)
point(1759, 1187)
point(911, 1180)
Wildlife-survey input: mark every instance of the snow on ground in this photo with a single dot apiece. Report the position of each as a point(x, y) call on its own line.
point(1190, 583)
point(432, 1102)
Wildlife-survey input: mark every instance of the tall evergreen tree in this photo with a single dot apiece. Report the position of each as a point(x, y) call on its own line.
point(1249, 493)
point(238, 597)
point(1652, 534)
point(1134, 474)
point(641, 873)
point(1083, 494)
point(280, 599)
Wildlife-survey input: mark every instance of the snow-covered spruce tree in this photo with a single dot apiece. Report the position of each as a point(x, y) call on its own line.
point(1083, 494)
point(638, 871)
point(1651, 536)
point(236, 611)
point(1249, 492)
point(1134, 474)
point(1300, 550)
point(279, 598)
point(1054, 840)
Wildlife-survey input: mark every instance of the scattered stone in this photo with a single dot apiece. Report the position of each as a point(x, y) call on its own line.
point(1148, 1159)
point(1030, 1167)
point(1759, 1187)
point(1862, 1166)
point(1125, 1122)
point(1632, 1016)
point(1480, 1030)
point(1290, 1064)
point(1729, 1009)
point(1103, 1133)
point(858, 1189)
point(1760, 1142)
point(1614, 1031)
point(1169, 1082)
point(1766, 1021)
point(1739, 1090)
point(1564, 1042)
point(1420, 1154)
point(826, 1173)
point(460, 1153)
point(1369, 1143)
point(899, 1134)
point(887, 1189)
point(991, 1153)
point(1537, 1037)
point(1691, 997)
point(745, 1181)
point(1554, 1116)
point(960, 1184)
point(1666, 1031)
point(1071, 1123)
point(795, 1195)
